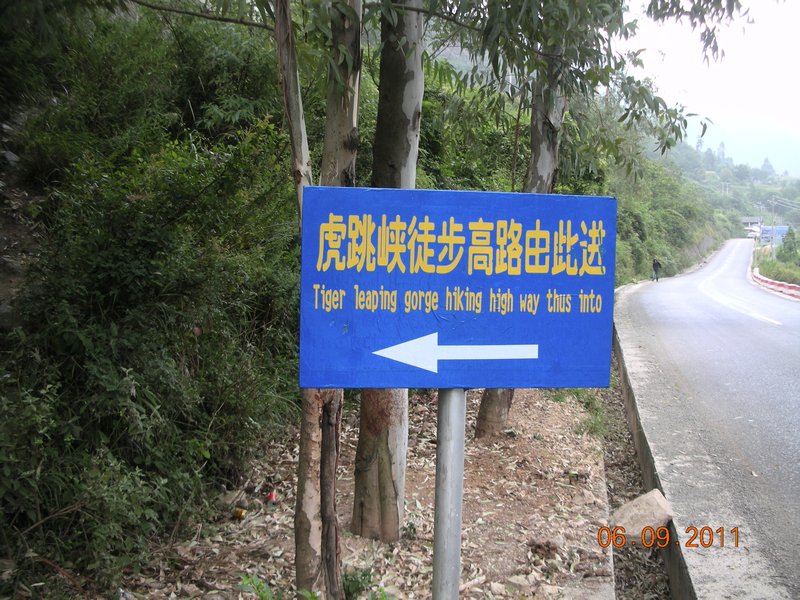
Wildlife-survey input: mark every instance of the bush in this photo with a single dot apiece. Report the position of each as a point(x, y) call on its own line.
point(789, 251)
point(113, 86)
point(159, 345)
point(224, 77)
point(101, 102)
point(779, 271)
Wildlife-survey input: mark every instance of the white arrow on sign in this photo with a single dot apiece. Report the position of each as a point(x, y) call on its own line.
point(425, 352)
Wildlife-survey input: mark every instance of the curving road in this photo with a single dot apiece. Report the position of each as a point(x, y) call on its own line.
point(717, 361)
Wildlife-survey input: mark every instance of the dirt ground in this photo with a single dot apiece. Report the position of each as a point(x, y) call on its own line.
point(534, 499)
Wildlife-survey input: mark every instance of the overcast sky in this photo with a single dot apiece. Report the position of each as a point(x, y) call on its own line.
point(752, 94)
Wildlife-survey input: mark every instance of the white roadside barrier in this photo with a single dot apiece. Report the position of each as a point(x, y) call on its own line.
point(788, 289)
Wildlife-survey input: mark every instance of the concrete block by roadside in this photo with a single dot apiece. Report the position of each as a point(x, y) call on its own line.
point(648, 510)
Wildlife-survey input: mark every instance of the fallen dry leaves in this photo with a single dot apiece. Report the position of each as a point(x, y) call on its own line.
point(534, 499)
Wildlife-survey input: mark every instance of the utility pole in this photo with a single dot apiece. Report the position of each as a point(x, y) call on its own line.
point(772, 230)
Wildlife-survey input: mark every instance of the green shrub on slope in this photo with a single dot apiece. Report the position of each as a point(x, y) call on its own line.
point(159, 342)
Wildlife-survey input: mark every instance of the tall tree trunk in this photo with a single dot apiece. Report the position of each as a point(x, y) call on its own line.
point(308, 516)
point(394, 163)
point(317, 550)
point(338, 169)
point(380, 464)
point(549, 106)
point(378, 507)
point(341, 114)
point(292, 100)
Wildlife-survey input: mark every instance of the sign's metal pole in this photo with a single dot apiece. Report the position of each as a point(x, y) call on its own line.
point(450, 425)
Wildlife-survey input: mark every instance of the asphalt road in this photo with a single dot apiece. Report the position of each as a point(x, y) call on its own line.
point(718, 360)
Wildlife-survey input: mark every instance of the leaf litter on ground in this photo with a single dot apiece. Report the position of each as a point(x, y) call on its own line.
point(534, 499)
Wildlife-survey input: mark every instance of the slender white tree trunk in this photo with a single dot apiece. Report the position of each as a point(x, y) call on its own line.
point(308, 515)
point(292, 100)
point(549, 106)
point(317, 556)
point(338, 169)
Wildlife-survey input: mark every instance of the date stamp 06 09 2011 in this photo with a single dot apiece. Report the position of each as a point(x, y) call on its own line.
point(660, 537)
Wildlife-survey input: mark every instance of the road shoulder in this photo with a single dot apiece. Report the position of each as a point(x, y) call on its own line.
point(674, 459)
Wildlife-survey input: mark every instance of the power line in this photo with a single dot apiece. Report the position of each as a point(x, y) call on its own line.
point(785, 202)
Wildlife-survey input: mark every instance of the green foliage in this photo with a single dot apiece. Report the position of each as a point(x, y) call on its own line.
point(663, 216)
point(594, 424)
point(409, 531)
point(103, 102)
point(223, 78)
point(789, 250)
point(21, 70)
point(355, 582)
point(559, 395)
point(462, 146)
point(595, 421)
point(159, 341)
point(779, 271)
point(254, 585)
point(160, 317)
point(174, 74)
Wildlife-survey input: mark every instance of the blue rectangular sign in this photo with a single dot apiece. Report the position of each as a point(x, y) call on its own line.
point(443, 289)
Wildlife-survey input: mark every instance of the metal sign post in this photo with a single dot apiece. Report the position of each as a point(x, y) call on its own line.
point(450, 424)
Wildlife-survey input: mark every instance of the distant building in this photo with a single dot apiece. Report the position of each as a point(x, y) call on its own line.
point(752, 226)
point(750, 221)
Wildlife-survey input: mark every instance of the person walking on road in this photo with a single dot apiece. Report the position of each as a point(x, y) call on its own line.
point(656, 269)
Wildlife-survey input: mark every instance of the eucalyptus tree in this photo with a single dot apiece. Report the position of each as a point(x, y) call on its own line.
point(317, 554)
point(381, 455)
point(379, 493)
point(551, 52)
point(337, 27)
